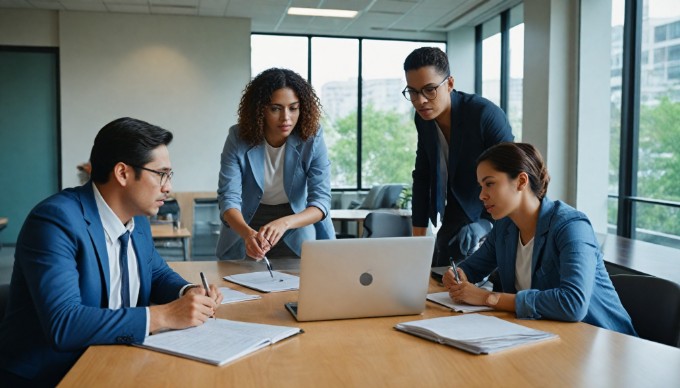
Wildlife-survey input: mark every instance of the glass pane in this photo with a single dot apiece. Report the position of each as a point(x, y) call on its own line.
point(618, 8)
point(389, 137)
point(491, 60)
point(268, 51)
point(515, 83)
point(335, 74)
point(658, 159)
point(658, 224)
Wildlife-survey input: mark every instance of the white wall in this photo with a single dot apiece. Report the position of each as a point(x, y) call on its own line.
point(461, 53)
point(20, 27)
point(182, 73)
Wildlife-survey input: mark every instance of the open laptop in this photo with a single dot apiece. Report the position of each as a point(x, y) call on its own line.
point(363, 277)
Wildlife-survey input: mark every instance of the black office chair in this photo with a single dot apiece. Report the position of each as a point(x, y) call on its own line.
point(4, 298)
point(379, 224)
point(654, 306)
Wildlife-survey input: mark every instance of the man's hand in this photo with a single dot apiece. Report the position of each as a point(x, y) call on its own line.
point(192, 309)
point(469, 236)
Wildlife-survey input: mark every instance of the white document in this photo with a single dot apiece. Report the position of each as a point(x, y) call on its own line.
point(475, 333)
point(218, 341)
point(444, 299)
point(263, 281)
point(233, 296)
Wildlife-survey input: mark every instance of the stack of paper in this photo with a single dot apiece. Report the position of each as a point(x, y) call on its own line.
point(475, 333)
point(232, 296)
point(443, 298)
point(263, 281)
point(218, 341)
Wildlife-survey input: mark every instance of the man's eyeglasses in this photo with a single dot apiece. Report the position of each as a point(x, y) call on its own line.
point(165, 176)
point(429, 92)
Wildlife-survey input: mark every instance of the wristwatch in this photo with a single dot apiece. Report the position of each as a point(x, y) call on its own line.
point(492, 299)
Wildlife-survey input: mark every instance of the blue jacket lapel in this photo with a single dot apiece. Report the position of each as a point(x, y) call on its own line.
point(542, 229)
point(95, 230)
point(139, 243)
point(256, 159)
point(291, 159)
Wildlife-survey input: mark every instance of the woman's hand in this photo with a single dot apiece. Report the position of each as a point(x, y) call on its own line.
point(464, 291)
point(273, 231)
point(256, 246)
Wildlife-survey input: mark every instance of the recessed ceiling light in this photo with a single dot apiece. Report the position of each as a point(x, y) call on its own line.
point(331, 13)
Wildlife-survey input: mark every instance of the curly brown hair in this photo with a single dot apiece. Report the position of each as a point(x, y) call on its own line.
point(257, 96)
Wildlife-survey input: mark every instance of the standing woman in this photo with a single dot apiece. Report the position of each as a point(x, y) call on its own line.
point(274, 186)
point(549, 261)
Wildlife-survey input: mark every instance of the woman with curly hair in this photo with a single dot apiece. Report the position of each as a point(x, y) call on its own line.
point(274, 185)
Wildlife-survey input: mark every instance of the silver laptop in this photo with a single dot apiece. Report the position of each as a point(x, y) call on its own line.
point(363, 277)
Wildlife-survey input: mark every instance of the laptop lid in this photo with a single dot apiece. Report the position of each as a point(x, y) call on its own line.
point(363, 277)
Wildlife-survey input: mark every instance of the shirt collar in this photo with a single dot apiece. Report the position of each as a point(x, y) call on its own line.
point(113, 228)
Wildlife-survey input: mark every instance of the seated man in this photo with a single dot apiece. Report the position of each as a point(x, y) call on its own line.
point(86, 271)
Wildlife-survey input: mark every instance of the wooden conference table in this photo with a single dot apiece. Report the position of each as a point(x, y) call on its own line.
point(168, 232)
point(369, 352)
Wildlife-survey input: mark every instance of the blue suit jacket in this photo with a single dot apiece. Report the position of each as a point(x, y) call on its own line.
point(59, 293)
point(476, 124)
point(306, 180)
point(568, 279)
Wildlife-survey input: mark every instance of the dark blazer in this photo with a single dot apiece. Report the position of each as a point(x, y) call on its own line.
point(476, 124)
point(568, 279)
point(58, 303)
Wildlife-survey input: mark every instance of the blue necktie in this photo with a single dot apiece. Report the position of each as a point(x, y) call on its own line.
point(124, 277)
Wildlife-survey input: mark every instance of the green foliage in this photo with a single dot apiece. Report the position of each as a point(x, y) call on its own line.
point(388, 148)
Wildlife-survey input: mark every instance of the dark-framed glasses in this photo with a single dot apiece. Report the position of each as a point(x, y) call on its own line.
point(165, 176)
point(429, 92)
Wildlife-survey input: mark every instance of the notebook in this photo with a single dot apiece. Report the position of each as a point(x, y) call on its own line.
point(363, 277)
point(444, 299)
point(266, 282)
point(218, 341)
point(475, 333)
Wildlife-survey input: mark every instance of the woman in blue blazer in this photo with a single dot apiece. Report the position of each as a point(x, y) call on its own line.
point(549, 261)
point(274, 186)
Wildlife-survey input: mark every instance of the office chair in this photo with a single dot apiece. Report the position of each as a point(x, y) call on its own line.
point(4, 298)
point(379, 197)
point(653, 305)
point(379, 224)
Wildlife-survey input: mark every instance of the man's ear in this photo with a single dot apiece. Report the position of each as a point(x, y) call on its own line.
point(122, 173)
point(451, 83)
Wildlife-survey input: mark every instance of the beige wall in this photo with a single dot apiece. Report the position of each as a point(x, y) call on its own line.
point(182, 73)
point(20, 27)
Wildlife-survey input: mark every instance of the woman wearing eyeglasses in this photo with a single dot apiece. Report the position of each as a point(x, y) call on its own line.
point(454, 128)
point(274, 185)
point(548, 258)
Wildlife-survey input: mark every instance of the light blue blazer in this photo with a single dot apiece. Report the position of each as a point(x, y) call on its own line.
point(59, 294)
point(569, 281)
point(306, 180)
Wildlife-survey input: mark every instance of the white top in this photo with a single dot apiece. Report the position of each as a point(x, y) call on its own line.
point(274, 194)
point(443, 165)
point(523, 264)
point(113, 229)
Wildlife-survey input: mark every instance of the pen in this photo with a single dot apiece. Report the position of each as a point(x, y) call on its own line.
point(455, 270)
point(269, 266)
point(205, 284)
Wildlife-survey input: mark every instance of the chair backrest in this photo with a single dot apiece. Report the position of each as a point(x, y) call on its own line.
point(4, 297)
point(654, 306)
point(373, 199)
point(391, 194)
point(169, 208)
point(379, 224)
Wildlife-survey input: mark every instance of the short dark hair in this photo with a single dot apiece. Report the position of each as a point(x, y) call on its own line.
point(258, 95)
point(515, 158)
point(428, 56)
point(126, 140)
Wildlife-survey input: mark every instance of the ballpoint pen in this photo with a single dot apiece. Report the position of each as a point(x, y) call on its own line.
point(269, 266)
point(206, 286)
point(455, 270)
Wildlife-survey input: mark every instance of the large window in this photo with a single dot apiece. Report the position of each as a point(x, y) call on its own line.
point(645, 125)
point(500, 64)
point(368, 125)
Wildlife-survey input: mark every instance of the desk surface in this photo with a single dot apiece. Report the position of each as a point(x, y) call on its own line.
point(369, 352)
point(643, 257)
point(360, 214)
point(167, 231)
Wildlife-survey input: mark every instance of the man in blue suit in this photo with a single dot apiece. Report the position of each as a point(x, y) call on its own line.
point(454, 128)
point(86, 271)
